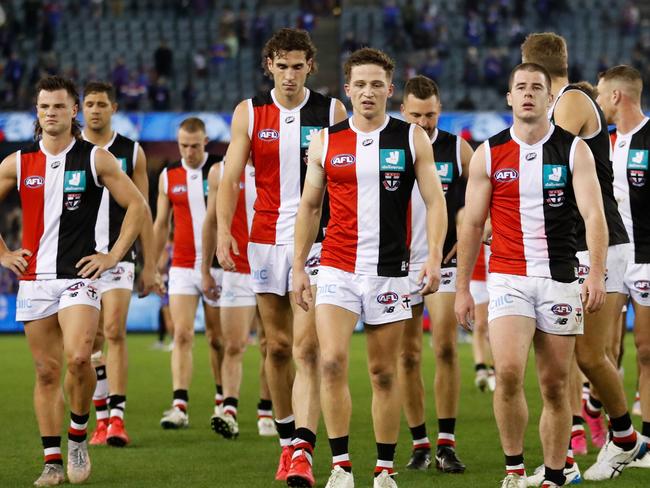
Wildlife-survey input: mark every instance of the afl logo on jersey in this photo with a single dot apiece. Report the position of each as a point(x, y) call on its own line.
point(642, 285)
point(506, 175)
point(268, 135)
point(342, 160)
point(388, 298)
point(34, 181)
point(177, 189)
point(561, 309)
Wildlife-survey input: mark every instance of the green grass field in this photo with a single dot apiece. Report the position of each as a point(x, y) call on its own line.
point(197, 457)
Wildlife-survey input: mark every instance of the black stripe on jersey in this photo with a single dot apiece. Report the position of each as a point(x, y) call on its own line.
point(444, 151)
point(212, 160)
point(79, 213)
point(600, 147)
point(123, 149)
point(639, 189)
point(393, 204)
point(560, 208)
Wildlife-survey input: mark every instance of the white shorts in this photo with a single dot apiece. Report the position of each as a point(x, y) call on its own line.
point(555, 306)
point(118, 278)
point(271, 266)
point(637, 283)
point(237, 290)
point(617, 261)
point(447, 283)
point(478, 290)
point(187, 281)
point(376, 299)
point(41, 298)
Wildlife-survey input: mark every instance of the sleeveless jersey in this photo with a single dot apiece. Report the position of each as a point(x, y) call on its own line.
point(600, 146)
point(279, 141)
point(446, 152)
point(533, 207)
point(111, 215)
point(370, 178)
point(187, 190)
point(631, 186)
point(60, 196)
point(243, 217)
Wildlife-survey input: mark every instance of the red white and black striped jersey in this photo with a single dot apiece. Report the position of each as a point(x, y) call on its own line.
point(631, 186)
point(600, 145)
point(370, 178)
point(243, 218)
point(187, 190)
point(446, 152)
point(479, 273)
point(111, 215)
point(533, 207)
point(60, 196)
point(279, 141)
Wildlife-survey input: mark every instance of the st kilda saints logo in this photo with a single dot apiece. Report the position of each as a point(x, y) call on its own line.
point(391, 181)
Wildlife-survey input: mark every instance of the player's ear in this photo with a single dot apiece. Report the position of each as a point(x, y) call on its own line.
point(509, 99)
point(391, 90)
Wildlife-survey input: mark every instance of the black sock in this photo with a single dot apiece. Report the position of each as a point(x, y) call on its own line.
point(230, 405)
point(419, 432)
point(219, 389)
point(620, 425)
point(339, 447)
point(578, 420)
point(265, 404)
point(554, 475)
point(285, 429)
point(52, 450)
point(645, 429)
point(303, 438)
point(385, 453)
point(117, 402)
point(515, 464)
point(180, 399)
point(78, 433)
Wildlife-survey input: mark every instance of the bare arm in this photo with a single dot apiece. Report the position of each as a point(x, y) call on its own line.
point(13, 260)
point(590, 206)
point(163, 215)
point(340, 113)
point(237, 156)
point(575, 113)
point(434, 201)
point(209, 232)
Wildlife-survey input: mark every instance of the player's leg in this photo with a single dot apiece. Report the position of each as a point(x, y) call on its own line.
point(100, 396)
point(444, 329)
point(642, 342)
point(214, 336)
point(578, 437)
point(483, 366)
point(265, 424)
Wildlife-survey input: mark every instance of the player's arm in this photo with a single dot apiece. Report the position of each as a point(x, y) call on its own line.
point(465, 156)
point(237, 156)
point(308, 220)
point(479, 191)
point(141, 181)
point(590, 205)
point(209, 234)
point(436, 207)
point(340, 113)
point(127, 196)
point(13, 260)
point(163, 217)
point(573, 112)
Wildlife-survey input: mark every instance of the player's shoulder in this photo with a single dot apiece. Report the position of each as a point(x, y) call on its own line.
point(319, 100)
point(173, 165)
point(500, 138)
point(261, 99)
point(338, 127)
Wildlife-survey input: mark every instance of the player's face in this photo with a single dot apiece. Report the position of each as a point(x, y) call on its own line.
point(55, 111)
point(368, 90)
point(605, 99)
point(192, 146)
point(289, 70)
point(98, 110)
point(529, 96)
point(424, 113)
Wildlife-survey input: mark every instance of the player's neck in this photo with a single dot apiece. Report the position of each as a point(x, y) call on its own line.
point(365, 124)
point(98, 137)
point(196, 165)
point(56, 144)
point(628, 118)
point(531, 132)
point(557, 84)
point(290, 101)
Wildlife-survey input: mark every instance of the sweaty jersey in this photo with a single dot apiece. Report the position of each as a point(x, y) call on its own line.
point(370, 178)
point(111, 215)
point(631, 186)
point(60, 196)
point(243, 217)
point(446, 152)
point(279, 141)
point(533, 207)
point(187, 190)
point(599, 143)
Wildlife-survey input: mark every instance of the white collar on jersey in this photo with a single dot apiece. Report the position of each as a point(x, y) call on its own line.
point(62, 153)
point(189, 168)
point(633, 131)
point(557, 97)
point(434, 137)
point(538, 143)
point(107, 145)
point(378, 129)
point(295, 109)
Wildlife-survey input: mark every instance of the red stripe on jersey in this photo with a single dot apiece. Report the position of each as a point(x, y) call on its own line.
point(480, 269)
point(612, 138)
point(340, 246)
point(265, 152)
point(178, 194)
point(32, 198)
point(239, 228)
point(507, 236)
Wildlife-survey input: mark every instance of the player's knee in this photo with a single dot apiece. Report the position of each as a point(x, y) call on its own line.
point(215, 343)
point(279, 351)
point(333, 368)
point(643, 355)
point(509, 379)
point(77, 362)
point(183, 338)
point(410, 361)
point(48, 373)
point(589, 362)
point(115, 332)
point(306, 355)
point(554, 390)
point(234, 348)
point(382, 378)
point(446, 352)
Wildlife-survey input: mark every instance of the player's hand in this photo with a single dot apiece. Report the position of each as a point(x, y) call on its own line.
point(15, 260)
point(302, 288)
point(464, 309)
point(450, 254)
point(593, 292)
point(149, 281)
point(94, 265)
point(429, 277)
point(209, 286)
point(225, 245)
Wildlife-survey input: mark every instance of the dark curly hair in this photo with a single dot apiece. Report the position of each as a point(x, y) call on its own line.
point(286, 40)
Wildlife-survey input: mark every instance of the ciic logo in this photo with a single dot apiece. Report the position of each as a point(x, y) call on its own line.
point(388, 298)
point(34, 181)
point(506, 175)
point(268, 135)
point(342, 160)
point(561, 309)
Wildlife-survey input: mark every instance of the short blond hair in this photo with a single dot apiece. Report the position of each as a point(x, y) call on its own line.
point(192, 124)
point(548, 50)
